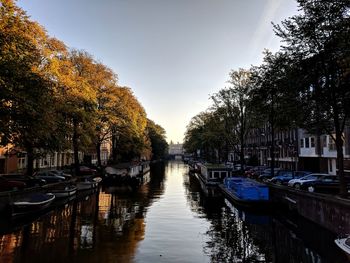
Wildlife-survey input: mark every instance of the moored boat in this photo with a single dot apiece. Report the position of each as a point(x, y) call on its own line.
point(31, 203)
point(88, 183)
point(67, 191)
point(213, 174)
point(144, 167)
point(125, 174)
point(344, 244)
point(194, 167)
point(245, 191)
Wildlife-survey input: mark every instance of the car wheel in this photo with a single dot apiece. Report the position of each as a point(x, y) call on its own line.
point(265, 180)
point(311, 189)
point(297, 186)
point(279, 182)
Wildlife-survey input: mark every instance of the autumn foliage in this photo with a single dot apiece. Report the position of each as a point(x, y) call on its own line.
point(53, 98)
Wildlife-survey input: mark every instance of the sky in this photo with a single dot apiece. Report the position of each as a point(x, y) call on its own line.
point(173, 53)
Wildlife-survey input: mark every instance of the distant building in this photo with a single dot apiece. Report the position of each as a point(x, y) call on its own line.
point(176, 149)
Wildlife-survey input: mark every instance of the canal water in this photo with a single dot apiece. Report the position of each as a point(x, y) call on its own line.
point(170, 219)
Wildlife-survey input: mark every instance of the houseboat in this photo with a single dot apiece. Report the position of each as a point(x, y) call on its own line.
point(126, 174)
point(144, 167)
point(213, 174)
point(245, 191)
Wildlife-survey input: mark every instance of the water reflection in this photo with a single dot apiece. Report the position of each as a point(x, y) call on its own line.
point(169, 219)
point(237, 235)
point(98, 227)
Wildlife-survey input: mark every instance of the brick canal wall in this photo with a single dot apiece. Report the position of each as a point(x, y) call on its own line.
point(330, 212)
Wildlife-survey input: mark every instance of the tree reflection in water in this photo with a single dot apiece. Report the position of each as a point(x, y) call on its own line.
point(236, 235)
point(108, 227)
point(229, 237)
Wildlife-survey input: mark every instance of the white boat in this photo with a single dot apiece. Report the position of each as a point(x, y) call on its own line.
point(213, 174)
point(344, 244)
point(32, 203)
point(67, 191)
point(88, 183)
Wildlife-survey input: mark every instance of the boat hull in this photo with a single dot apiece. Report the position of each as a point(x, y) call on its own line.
point(63, 193)
point(342, 245)
point(88, 185)
point(33, 204)
point(243, 202)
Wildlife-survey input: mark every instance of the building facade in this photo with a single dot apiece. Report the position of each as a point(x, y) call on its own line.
point(259, 144)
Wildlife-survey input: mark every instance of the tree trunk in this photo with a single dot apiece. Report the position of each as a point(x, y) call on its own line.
point(272, 152)
point(340, 163)
point(241, 156)
point(30, 160)
point(76, 147)
point(98, 153)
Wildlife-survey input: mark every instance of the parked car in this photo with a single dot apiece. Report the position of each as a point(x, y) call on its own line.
point(49, 177)
point(328, 183)
point(11, 185)
point(300, 182)
point(283, 177)
point(255, 171)
point(30, 181)
point(267, 174)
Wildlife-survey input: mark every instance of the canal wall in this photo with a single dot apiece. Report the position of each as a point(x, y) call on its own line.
point(331, 212)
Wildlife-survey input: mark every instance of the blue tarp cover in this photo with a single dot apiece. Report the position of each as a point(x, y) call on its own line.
point(246, 189)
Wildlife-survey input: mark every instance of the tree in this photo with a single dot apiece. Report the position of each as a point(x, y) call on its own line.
point(26, 104)
point(235, 102)
point(159, 145)
point(273, 97)
point(318, 41)
point(104, 82)
point(206, 133)
point(129, 139)
point(76, 98)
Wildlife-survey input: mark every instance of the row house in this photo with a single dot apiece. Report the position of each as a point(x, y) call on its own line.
point(295, 149)
point(12, 161)
point(319, 153)
point(259, 142)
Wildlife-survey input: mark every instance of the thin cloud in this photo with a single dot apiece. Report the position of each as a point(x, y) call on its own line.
point(263, 33)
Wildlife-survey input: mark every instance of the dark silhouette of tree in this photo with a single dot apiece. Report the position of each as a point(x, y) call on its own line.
point(234, 101)
point(317, 39)
point(159, 145)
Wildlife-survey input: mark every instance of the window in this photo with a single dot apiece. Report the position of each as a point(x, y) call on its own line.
point(331, 145)
point(307, 145)
point(324, 144)
point(312, 139)
point(301, 143)
point(216, 175)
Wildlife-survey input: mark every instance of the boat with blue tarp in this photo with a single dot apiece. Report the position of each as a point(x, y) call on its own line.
point(245, 191)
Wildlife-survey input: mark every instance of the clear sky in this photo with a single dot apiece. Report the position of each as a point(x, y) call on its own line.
point(172, 53)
